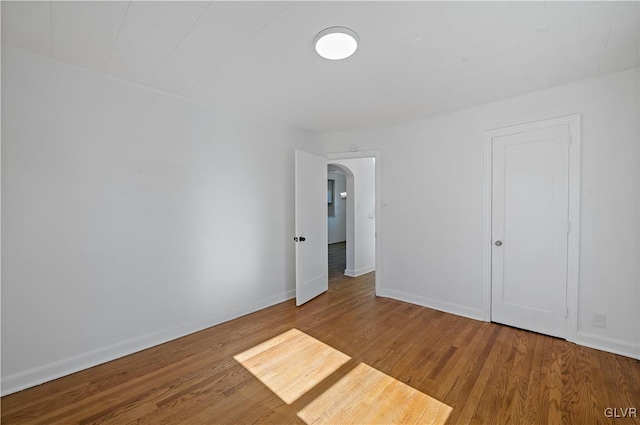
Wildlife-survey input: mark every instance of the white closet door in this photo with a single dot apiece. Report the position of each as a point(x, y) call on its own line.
point(530, 192)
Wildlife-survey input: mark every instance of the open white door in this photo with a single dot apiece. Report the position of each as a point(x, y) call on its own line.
point(312, 276)
point(530, 227)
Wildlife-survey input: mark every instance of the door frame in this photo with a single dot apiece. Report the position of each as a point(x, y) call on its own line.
point(378, 212)
point(573, 241)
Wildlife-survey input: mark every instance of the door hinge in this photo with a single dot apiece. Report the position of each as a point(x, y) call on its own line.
point(568, 226)
point(568, 140)
point(566, 312)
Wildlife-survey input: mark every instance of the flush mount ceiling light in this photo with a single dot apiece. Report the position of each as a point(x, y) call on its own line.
point(336, 43)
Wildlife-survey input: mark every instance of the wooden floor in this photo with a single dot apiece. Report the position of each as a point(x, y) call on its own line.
point(485, 373)
point(337, 261)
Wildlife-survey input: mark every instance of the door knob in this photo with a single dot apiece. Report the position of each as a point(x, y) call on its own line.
point(302, 239)
point(498, 243)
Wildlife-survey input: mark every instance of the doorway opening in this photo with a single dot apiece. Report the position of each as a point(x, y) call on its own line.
point(337, 217)
point(311, 233)
point(351, 217)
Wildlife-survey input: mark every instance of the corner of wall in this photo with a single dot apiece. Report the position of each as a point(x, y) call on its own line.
point(360, 271)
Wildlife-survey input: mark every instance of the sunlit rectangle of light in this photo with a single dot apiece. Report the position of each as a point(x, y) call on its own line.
point(291, 363)
point(368, 396)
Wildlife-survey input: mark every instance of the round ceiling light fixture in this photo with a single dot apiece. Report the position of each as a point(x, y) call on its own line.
point(336, 43)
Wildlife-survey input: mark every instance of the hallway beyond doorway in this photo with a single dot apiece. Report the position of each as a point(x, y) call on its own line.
point(337, 261)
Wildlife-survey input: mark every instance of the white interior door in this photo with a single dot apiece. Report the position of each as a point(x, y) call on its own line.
point(312, 277)
point(530, 193)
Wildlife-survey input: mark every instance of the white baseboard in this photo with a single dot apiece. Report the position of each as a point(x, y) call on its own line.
point(60, 368)
point(447, 307)
point(41, 374)
point(610, 345)
point(360, 271)
point(623, 348)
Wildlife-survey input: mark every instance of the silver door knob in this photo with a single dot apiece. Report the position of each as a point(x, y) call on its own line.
point(498, 243)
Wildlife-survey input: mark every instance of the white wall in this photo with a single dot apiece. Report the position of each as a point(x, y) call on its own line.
point(432, 184)
point(364, 205)
point(130, 217)
point(337, 224)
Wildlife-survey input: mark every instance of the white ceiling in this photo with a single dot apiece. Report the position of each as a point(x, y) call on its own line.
point(415, 59)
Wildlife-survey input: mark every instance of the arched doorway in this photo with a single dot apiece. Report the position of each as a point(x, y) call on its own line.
point(351, 219)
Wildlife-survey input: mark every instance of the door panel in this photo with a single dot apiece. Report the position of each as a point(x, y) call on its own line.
point(312, 277)
point(530, 193)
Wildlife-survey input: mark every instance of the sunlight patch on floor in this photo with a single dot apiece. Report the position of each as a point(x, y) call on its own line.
point(367, 396)
point(292, 363)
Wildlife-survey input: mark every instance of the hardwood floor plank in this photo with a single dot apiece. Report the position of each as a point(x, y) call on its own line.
point(556, 387)
point(533, 398)
point(488, 408)
point(480, 394)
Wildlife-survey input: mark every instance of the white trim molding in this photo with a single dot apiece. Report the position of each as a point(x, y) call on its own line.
point(452, 308)
point(360, 271)
point(573, 259)
point(610, 345)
